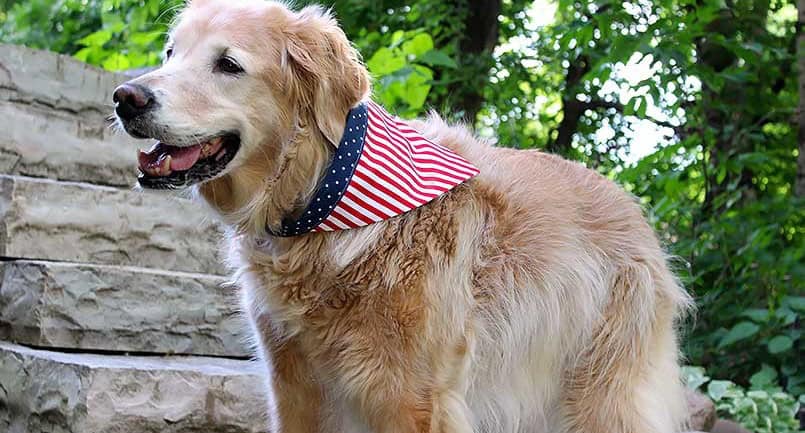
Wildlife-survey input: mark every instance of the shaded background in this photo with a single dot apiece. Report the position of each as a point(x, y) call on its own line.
point(692, 106)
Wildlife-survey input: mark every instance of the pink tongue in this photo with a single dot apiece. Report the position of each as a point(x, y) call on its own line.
point(182, 158)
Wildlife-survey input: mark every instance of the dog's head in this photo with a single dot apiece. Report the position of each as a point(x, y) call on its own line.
point(238, 80)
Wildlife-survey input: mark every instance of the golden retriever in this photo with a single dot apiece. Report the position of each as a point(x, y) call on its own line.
point(532, 298)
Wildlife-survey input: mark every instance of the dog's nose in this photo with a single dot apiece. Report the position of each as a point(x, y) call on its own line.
point(132, 100)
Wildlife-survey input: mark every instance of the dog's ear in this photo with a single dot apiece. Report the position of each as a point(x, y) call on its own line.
point(329, 77)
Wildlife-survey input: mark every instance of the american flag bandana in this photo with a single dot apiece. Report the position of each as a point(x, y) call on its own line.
point(382, 168)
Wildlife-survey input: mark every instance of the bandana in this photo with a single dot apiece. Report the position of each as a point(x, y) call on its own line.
point(382, 168)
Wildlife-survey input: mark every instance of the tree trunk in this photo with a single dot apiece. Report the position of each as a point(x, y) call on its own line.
point(475, 53)
point(799, 188)
point(572, 108)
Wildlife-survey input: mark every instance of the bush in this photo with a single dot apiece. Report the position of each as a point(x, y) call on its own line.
point(763, 408)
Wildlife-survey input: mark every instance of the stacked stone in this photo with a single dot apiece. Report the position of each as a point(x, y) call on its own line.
point(113, 312)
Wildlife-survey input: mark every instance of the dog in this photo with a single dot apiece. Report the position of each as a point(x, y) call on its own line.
point(528, 295)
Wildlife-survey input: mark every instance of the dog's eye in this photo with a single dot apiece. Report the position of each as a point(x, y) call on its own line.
point(228, 66)
point(168, 53)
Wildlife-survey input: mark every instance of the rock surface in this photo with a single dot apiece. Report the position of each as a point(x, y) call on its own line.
point(54, 111)
point(44, 219)
point(727, 426)
point(702, 411)
point(114, 308)
point(53, 392)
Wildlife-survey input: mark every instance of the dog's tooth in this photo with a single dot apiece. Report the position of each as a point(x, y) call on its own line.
point(162, 166)
point(215, 141)
point(165, 166)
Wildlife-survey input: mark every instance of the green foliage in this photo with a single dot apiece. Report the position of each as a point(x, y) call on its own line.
point(722, 195)
point(762, 408)
point(114, 34)
point(719, 80)
point(386, 31)
point(403, 70)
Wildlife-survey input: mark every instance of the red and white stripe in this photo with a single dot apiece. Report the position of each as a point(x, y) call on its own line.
point(398, 170)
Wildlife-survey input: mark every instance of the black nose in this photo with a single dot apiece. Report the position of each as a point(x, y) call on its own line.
point(132, 100)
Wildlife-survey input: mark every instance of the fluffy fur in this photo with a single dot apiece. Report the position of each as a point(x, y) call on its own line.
point(533, 298)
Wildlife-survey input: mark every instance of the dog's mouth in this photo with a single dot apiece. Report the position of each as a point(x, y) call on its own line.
point(171, 167)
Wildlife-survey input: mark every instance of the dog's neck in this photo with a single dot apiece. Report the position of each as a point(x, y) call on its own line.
point(248, 200)
point(382, 168)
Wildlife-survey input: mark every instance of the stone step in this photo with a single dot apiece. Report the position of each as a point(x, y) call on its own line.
point(54, 111)
point(116, 308)
point(46, 219)
point(53, 392)
point(42, 142)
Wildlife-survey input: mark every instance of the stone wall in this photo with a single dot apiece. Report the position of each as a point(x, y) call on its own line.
point(113, 312)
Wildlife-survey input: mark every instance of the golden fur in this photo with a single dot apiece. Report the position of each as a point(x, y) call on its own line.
point(533, 298)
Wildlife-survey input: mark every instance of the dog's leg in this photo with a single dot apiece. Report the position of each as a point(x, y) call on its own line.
point(298, 396)
point(628, 379)
point(450, 411)
point(295, 398)
point(417, 395)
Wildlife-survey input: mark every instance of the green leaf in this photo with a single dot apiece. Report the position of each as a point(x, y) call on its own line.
point(116, 27)
point(417, 87)
point(758, 315)
point(418, 45)
point(116, 62)
point(384, 62)
point(438, 58)
point(766, 376)
point(717, 389)
point(786, 316)
point(739, 77)
point(694, 377)
point(397, 38)
point(144, 38)
point(96, 39)
point(83, 54)
point(641, 110)
point(795, 302)
point(739, 332)
point(780, 343)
